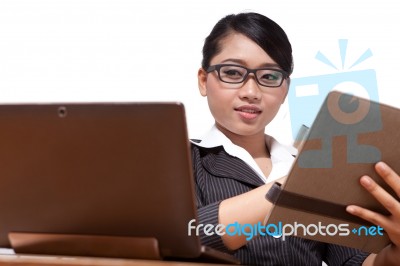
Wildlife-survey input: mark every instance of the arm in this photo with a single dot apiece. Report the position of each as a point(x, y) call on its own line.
point(391, 224)
point(226, 202)
point(247, 208)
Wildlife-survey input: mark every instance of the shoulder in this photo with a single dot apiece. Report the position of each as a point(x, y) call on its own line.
point(200, 151)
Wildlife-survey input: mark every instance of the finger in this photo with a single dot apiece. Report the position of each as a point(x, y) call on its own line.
point(388, 224)
point(370, 216)
point(381, 195)
point(390, 176)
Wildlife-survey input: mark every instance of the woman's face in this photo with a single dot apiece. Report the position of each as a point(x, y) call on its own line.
point(242, 109)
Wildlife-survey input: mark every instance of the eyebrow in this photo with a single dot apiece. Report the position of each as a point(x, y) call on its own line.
point(242, 62)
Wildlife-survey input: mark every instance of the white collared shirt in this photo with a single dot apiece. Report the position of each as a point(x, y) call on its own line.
point(281, 155)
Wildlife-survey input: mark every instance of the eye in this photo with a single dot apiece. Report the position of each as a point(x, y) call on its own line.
point(232, 72)
point(270, 77)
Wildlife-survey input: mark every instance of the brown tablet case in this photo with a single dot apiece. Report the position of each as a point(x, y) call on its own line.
point(349, 135)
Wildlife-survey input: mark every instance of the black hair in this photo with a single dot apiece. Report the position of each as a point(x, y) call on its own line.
point(260, 29)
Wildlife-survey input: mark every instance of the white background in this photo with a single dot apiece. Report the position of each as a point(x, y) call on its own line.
point(136, 50)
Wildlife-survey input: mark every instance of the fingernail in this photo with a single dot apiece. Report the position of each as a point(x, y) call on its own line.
point(350, 209)
point(366, 181)
point(382, 166)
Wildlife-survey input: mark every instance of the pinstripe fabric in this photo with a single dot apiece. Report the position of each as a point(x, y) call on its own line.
point(219, 176)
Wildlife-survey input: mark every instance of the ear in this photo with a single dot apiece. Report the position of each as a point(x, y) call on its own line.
point(202, 81)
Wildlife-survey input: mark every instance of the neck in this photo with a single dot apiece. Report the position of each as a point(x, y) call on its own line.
point(253, 144)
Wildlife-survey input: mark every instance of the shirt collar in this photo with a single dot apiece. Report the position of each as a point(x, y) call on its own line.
point(282, 156)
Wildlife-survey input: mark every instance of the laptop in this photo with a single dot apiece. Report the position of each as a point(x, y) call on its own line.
point(98, 179)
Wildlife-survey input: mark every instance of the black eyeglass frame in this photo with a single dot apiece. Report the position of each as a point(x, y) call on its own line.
point(218, 67)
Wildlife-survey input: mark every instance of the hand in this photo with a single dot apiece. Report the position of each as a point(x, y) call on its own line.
point(390, 223)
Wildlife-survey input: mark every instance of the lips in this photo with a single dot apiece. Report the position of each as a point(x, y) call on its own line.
point(248, 112)
point(248, 109)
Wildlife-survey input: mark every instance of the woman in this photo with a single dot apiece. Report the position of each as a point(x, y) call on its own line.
point(247, 62)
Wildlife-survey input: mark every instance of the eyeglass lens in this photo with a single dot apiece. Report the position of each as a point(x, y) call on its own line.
point(237, 74)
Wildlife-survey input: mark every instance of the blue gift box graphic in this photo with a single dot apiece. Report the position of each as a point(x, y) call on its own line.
point(306, 95)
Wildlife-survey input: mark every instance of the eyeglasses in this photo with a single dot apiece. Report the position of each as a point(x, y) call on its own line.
point(234, 74)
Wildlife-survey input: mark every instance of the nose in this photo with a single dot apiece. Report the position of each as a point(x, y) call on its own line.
point(250, 89)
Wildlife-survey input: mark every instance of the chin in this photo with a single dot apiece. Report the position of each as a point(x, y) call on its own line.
point(241, 129)
point(249, 131)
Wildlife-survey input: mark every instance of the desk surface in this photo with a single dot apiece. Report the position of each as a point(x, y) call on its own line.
point(31, 260)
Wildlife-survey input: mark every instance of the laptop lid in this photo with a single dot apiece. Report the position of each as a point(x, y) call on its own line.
point(100, 169)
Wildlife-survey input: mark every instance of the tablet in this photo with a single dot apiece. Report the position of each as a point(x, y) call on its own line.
point(349, 135)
